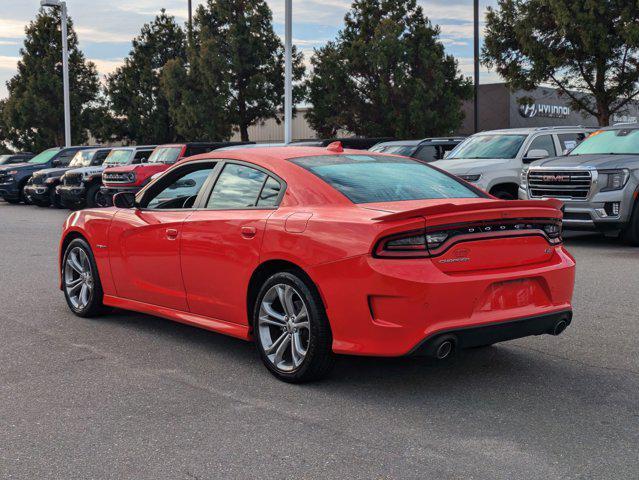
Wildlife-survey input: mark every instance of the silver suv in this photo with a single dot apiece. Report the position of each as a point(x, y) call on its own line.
point(493, 160)
point(598, 181)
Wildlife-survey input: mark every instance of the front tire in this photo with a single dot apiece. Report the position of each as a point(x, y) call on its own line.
point(631, 234)
point(80, 280)
point(291, 329)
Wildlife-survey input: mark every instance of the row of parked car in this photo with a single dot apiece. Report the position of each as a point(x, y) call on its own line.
point(597, 179)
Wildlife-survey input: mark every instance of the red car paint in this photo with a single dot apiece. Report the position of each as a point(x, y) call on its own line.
point(194, 266)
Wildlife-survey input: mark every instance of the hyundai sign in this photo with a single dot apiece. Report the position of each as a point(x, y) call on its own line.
point(532, 110)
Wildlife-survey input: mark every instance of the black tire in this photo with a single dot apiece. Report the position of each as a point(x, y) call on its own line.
point(319, 358)
point(93, 197)
point(630, 235)
point(94, 306)
point(54, 199)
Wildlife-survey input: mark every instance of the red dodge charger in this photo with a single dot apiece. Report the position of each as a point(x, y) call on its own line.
point(313, 252)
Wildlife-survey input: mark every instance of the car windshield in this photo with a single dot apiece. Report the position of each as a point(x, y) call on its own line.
point(82, 158)
point(488, 146)
point(379, 178)
point(406, 150)
point(44, 157)
point(618, 142)
point(165, 155)
point(119, 156)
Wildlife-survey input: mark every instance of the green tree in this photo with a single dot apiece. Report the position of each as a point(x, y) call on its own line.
point(235, 53)
point(33, 115)
point(579, 47)
point(386, 74)
point(134, 90)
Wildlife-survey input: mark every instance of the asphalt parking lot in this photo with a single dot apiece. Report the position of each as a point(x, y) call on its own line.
point(133, 396)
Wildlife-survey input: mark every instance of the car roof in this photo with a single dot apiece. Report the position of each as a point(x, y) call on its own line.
point(529, 130)
point(413, 143)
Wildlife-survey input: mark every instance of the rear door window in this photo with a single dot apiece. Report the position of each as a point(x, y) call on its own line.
point(239, 187)
point(544, 142)
point(427, 153)
point(568, 141)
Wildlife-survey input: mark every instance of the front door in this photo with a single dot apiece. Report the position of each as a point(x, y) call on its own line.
point(145, 241)
point(221, 242)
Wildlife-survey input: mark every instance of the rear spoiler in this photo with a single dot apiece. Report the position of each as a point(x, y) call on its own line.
point(452, 208)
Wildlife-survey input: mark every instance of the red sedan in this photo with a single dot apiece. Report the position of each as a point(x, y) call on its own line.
point(313, 252)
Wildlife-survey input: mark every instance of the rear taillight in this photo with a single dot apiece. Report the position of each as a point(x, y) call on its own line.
point(414, 244)
point(427, 243)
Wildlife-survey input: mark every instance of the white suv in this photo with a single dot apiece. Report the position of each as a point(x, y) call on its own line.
point(493, 160)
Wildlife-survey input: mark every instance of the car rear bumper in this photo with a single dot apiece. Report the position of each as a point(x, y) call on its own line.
point(476, 336)
point(388, 307)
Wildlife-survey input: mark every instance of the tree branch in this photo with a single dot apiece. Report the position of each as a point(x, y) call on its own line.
point(578, 101)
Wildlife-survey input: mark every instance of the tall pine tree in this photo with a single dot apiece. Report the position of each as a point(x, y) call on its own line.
point(236, 53)
point(386, 74)
point(33, 114)
point(134, 88)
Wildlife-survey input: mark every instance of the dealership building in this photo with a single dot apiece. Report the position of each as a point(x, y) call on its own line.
point(499, 107)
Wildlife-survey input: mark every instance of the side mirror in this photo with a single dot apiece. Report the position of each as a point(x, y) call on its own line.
point(535, 154)
point(124, 200)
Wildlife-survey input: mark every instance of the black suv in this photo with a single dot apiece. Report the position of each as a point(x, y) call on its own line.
point(426, 150)
point(11, 158)
point(13, 178)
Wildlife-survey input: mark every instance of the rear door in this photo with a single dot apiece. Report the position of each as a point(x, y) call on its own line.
point(221, 242)
point(144, 243)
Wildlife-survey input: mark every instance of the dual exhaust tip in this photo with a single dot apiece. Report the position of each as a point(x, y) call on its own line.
point(446, 345)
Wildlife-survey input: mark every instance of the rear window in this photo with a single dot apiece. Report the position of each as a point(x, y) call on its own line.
point(165, 155)
point(378, 178)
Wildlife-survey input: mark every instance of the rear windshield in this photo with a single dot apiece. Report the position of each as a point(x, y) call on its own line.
point(122, 156)
point(165, 155)
point(609, 142)
point(379, 178)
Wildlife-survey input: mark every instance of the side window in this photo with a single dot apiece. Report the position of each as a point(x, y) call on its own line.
point(270, 193)
point(65, 157)
point(427, 153)
point(568, 141)
point(544, 142)
point(140, 156)
point(191, 150)
point(183, 188)
point(99, 157)
point(237, 187)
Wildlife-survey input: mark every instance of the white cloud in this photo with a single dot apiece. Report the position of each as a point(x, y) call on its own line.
point(8, 63)
point(11, 28)
point(106, 66)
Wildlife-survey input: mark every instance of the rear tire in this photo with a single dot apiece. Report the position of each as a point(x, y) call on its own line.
point(631, 233)
point(291, 329)
point(81, 280)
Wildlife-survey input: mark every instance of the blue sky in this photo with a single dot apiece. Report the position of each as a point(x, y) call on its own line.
point(105, 28)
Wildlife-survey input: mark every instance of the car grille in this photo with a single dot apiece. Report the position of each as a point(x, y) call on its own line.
point(572, 184)
point(73, 179)
point(114, 177)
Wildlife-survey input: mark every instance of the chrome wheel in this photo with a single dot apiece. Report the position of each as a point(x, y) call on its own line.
point(78, 278)
point(283, 324)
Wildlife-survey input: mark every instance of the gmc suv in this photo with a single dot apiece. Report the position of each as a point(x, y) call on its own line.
point(132, 178)
point(493, 160)
point(13, 178)
point(598, 181)
point(83, 186)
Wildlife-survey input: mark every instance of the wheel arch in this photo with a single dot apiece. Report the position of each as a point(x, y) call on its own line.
point(264, 271)
point(509, 186)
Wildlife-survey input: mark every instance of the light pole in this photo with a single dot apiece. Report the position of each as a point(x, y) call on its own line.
point(65, 66)
point(288, 71)
point(476, 65)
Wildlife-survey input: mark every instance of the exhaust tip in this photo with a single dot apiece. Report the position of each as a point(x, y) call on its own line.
point(559, 327)
point(444, 350)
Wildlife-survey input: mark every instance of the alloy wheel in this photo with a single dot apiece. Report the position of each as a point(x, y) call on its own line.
point(78, 278)
point(284, 329)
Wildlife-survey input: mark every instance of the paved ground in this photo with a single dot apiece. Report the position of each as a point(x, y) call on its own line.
point(131, 396)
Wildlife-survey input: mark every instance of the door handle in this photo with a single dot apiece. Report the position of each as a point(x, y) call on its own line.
point(248, 232)
point(171, 233)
